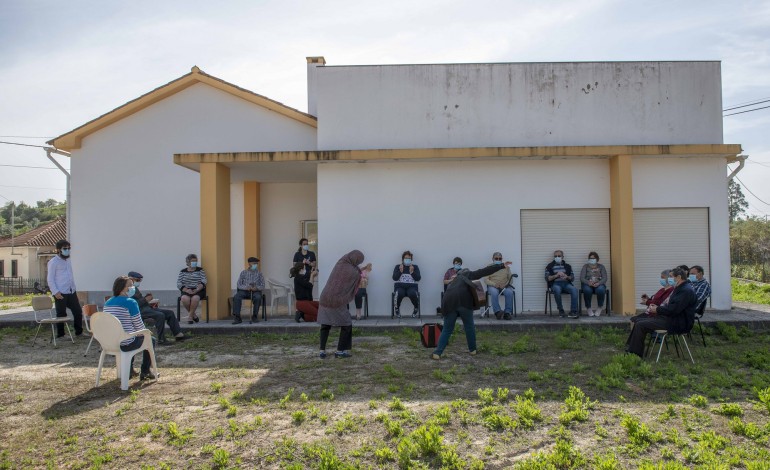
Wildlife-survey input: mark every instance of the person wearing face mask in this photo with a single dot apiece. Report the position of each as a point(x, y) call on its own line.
point(676, 317)
point(559, 277)
point(593, 280)
point(304, 255)
point(500, 283)
point(406, 275)
point(659, 298)
point(159, 316)
point(191, 282)
point(361, 292)
point(249, 286)
point(700, 285)
point(61, 282)
point(307, 308)
point(124, 308)
point(451, 273)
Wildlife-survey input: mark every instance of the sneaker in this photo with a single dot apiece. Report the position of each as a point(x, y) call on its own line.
point(342, 354)
point(589, 312)
point(598, 312)
point(414, 313)
point(507, 316)
point(398, 313)
point(297, 316)
point(132, 374)
point(149, 375)
point(562, 314)
point(499, 315)
point(435, 357)
point(472, 353)
point(164, 342)
point(322, 355)
point(180, 338)
point(573, 315)
point(237, 320)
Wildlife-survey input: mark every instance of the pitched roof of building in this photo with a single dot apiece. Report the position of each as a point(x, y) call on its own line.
point(44, 235)
point(71, 140)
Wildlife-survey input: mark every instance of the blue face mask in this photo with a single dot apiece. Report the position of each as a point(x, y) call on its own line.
point(193, 264)
point(498, 261)
point(305, 247)
point(458, 267)
point(407, 261)
point(663, 282)
point(254, 267)
point(136, 283)
point(65, 252)
point(557, 259)
point(671, 281)
point(131, 291)
point(692, 278)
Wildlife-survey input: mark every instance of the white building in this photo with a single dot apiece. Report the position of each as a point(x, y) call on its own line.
point(622, 158)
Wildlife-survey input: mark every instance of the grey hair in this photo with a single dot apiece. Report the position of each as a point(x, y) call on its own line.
point(190, 257)
point(665, 272)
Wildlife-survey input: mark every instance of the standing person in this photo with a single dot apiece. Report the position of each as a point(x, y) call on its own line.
point(559, 277)
point(131, 320)
point(250, 285)
point(158, 315)
point(700, 285)
point(307, 308)
point(340, 289)
point(406, 275)
point(61, 283)
point(361, 292)
point(304, 255)
point(593, 280)
point(498, 283)
point(191, 283)
point(458, 302)
point(451, 273)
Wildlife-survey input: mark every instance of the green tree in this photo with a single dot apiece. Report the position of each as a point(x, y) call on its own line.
point(737, 204)
point(27, 217)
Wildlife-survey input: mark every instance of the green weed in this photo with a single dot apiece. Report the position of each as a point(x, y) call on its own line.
point(576, 406)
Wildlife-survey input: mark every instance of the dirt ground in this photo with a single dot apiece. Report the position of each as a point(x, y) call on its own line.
point(268, 401)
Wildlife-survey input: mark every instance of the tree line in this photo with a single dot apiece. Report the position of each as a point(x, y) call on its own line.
point(27, 217)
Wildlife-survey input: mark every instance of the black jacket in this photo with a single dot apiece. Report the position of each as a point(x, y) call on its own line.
point(303, 288)
point(550, 272)
point(458, 295)
point(680, 310)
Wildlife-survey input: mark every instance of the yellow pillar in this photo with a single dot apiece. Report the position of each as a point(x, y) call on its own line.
point(622, 235)
point(215, 235)
point(251, 218)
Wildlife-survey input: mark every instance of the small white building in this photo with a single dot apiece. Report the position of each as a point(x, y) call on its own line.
point(26, 256)
point(623, 158)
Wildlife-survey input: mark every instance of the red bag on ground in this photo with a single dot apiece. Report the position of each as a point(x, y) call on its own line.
point(429, 334)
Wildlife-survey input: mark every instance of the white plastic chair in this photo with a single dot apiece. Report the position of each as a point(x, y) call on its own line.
point(109, 333)
point(44, 302)
point(279, 290)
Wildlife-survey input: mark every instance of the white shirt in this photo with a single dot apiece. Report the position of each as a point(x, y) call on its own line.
point(60, 277)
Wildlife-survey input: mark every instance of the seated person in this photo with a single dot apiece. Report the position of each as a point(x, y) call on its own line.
point(660, 298)
point(159, 316)
point(593, 280)
point(191, 283)
point(451, 273)
point(559, 277)
point(122, 292)
point(307, 308)
point(406, 275)
point(700, 285)
point(361, 292)
point(500, 283)
point(249, 286)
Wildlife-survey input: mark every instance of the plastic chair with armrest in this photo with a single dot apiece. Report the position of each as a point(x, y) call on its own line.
point(109, 333)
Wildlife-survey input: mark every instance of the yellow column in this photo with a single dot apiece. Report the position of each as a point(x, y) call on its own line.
point(251, 218)
point(622, 235)
point(215, 235)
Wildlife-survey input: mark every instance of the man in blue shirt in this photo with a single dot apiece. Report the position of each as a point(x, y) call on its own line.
point(61, 282)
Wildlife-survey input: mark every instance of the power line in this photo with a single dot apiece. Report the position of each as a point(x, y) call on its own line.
point(747, 189)
point(26, 137)
point(29, 187)
point(743, 106)
point(747, 111)
point(27, 166)
point(751, 101)
point(24, 145)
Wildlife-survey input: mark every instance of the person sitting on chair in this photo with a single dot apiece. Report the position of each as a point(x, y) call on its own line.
point(406, 275)
point(249, 286)
point(451, 273)
point(559, 277)
point(159, 316)
point(676, 317)
point(500, 283)
point(593, 280)
point(307, 308)
point(361, 292)
point(700, 285)
point(191, 283)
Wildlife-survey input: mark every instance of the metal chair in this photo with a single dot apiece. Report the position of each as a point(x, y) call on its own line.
point(607, 303)
point(88, 311)
point(698, 316)
point(488, 308)
point(663, 334)
point(44, 302)
point(109, 333)
point(393, 297)
point(179, 307)
point(263, 307)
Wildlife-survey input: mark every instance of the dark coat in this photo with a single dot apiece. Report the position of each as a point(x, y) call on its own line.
point(550, 272)
point(680, 310)
point(459, 295)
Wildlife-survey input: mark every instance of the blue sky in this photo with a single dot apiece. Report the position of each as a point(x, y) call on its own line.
point(64, 63)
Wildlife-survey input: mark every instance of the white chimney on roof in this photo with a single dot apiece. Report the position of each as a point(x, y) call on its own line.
point(312, 64)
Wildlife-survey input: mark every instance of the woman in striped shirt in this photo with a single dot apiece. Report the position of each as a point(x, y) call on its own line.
point(125, 309)
point(191, 282)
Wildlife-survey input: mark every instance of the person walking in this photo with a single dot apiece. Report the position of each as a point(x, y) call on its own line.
point(340, 290)
point(61, 283)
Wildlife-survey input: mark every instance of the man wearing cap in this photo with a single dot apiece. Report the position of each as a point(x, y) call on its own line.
point(250, 285)
point(159, 316)
point(61, 282)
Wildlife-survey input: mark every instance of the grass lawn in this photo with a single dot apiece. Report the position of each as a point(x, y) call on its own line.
point(13, 301)
point(753, 292)
point(563, 399)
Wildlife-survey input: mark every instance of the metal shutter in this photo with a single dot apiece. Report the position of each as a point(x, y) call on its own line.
point(575, 231)
point(666, 238)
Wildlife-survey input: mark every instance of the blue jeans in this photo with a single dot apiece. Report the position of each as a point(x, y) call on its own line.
point(256, 302)
point(558, 287)
point(494, 292)
point(599, 290)
point(449, 326)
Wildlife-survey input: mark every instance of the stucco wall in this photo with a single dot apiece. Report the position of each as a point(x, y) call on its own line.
point(133, 209)
point(519, 105)
point(440, 210)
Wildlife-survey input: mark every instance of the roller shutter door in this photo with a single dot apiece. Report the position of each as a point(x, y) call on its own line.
point(665, 238)
point(575, 231)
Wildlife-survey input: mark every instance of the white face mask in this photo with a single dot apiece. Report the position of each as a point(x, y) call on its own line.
point(591, 261)
point(557, 259)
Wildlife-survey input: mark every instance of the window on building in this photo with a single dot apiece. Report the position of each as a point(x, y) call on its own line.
point(2, 268)
point(14, 268)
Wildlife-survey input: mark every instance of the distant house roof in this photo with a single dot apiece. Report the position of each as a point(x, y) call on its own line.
point(44, 235)
point(71, 140)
